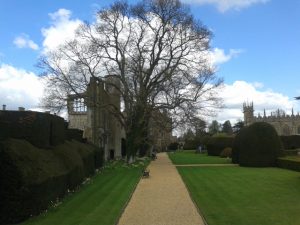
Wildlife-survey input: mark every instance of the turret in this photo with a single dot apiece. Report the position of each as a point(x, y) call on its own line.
point(248, 113)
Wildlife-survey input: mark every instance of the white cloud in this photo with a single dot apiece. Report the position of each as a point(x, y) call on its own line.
point(225, 5)
point(236, 94)
point(19, 88)
point(23, 41)
point(218, 56)
point(62, 29)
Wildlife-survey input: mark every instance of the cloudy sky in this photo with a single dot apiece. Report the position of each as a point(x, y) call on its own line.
point(255, 48)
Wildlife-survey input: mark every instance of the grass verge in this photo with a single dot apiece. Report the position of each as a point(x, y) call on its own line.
point(244, 196)
point(190, 157)
point(100, 201)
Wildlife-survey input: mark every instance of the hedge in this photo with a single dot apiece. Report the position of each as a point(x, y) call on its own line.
point(31, 178)
point(289, 164)
point(40, 129)
point(290, 142)
point(216, 145)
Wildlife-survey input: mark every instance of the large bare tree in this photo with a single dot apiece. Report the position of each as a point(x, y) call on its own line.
point(155, 50)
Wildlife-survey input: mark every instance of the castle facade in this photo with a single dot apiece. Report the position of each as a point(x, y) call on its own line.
point(91, 112)
point(284, 124)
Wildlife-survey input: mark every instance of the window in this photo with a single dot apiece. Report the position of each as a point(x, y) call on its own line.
point(79, 105)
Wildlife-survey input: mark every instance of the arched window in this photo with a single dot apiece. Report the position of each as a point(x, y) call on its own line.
point(286, 130)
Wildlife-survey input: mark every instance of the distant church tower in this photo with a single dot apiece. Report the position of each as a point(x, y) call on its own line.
point(248, 113)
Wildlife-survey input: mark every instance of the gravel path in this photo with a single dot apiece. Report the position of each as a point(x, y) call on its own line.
point(161, 199)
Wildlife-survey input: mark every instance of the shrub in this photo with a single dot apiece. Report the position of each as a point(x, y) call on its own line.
point(290, 142)
point(173, 146)
point(190, 145)
point(290, 164)
point(216, 145)
point(257, 145)
point(227, 152)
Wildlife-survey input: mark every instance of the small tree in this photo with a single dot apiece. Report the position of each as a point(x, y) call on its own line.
point(214, 127)
point(227, 128)
point(238, 126)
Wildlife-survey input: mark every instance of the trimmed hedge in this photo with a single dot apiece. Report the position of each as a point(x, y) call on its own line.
point(257, 145)
point(74, 134)
point(190, 145)
point(31, 178)
point(40, 129)
point(216, 145)
point(289, 164)
point(290, 142)
point(173, 146)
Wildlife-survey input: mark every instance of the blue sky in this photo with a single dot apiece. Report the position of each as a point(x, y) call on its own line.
point(255, 46)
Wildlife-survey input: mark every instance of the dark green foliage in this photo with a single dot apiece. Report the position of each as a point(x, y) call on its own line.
point(227, 128)
point(290, 142)
point(216, 145)
point(214, 127)
point(289, 163)
point(33, 177)
point(173, 146)
point(190, 145)
point(257, 145)
point(40, 129)
point(74, 134)
point(204, 140)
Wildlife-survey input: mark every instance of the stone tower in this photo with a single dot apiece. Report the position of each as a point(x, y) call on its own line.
point(248, 113)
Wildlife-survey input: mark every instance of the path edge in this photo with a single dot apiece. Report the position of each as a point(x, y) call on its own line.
point(197, 208)
point(130, 197)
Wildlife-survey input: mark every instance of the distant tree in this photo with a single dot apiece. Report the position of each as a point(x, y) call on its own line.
point(189, 135)
point(227, 128)
point(214, 127)
point(199, 126)
point(238, 126)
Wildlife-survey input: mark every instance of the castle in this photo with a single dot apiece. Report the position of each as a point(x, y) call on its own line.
point(284, 124)
point(92, 113)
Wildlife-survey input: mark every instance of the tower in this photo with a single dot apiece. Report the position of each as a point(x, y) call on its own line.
point(248, 113)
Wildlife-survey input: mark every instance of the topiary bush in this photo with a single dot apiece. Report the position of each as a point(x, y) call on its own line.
point(257, 145)
point(216, 145)
point(227, 152)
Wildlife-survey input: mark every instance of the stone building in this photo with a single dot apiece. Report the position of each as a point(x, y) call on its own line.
point(90, 112)
point(160, 130)
point(284, 124)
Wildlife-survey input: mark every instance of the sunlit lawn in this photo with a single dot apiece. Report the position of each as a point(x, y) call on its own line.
point(245, 196)
point(97, 203)
point(190, 157)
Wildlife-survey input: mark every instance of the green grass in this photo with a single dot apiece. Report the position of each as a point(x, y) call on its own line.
point(245, 196)
point(99, 202)
point(190, 157)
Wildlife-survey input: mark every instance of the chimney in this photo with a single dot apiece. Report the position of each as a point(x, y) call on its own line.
point(21, 109)
point(3, 107)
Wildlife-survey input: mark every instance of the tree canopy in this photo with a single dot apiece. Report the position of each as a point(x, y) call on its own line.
point(153, 52)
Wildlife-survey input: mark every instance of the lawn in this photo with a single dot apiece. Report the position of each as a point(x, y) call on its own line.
point(190, 157)
point(245, 196)
point(101, 201)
